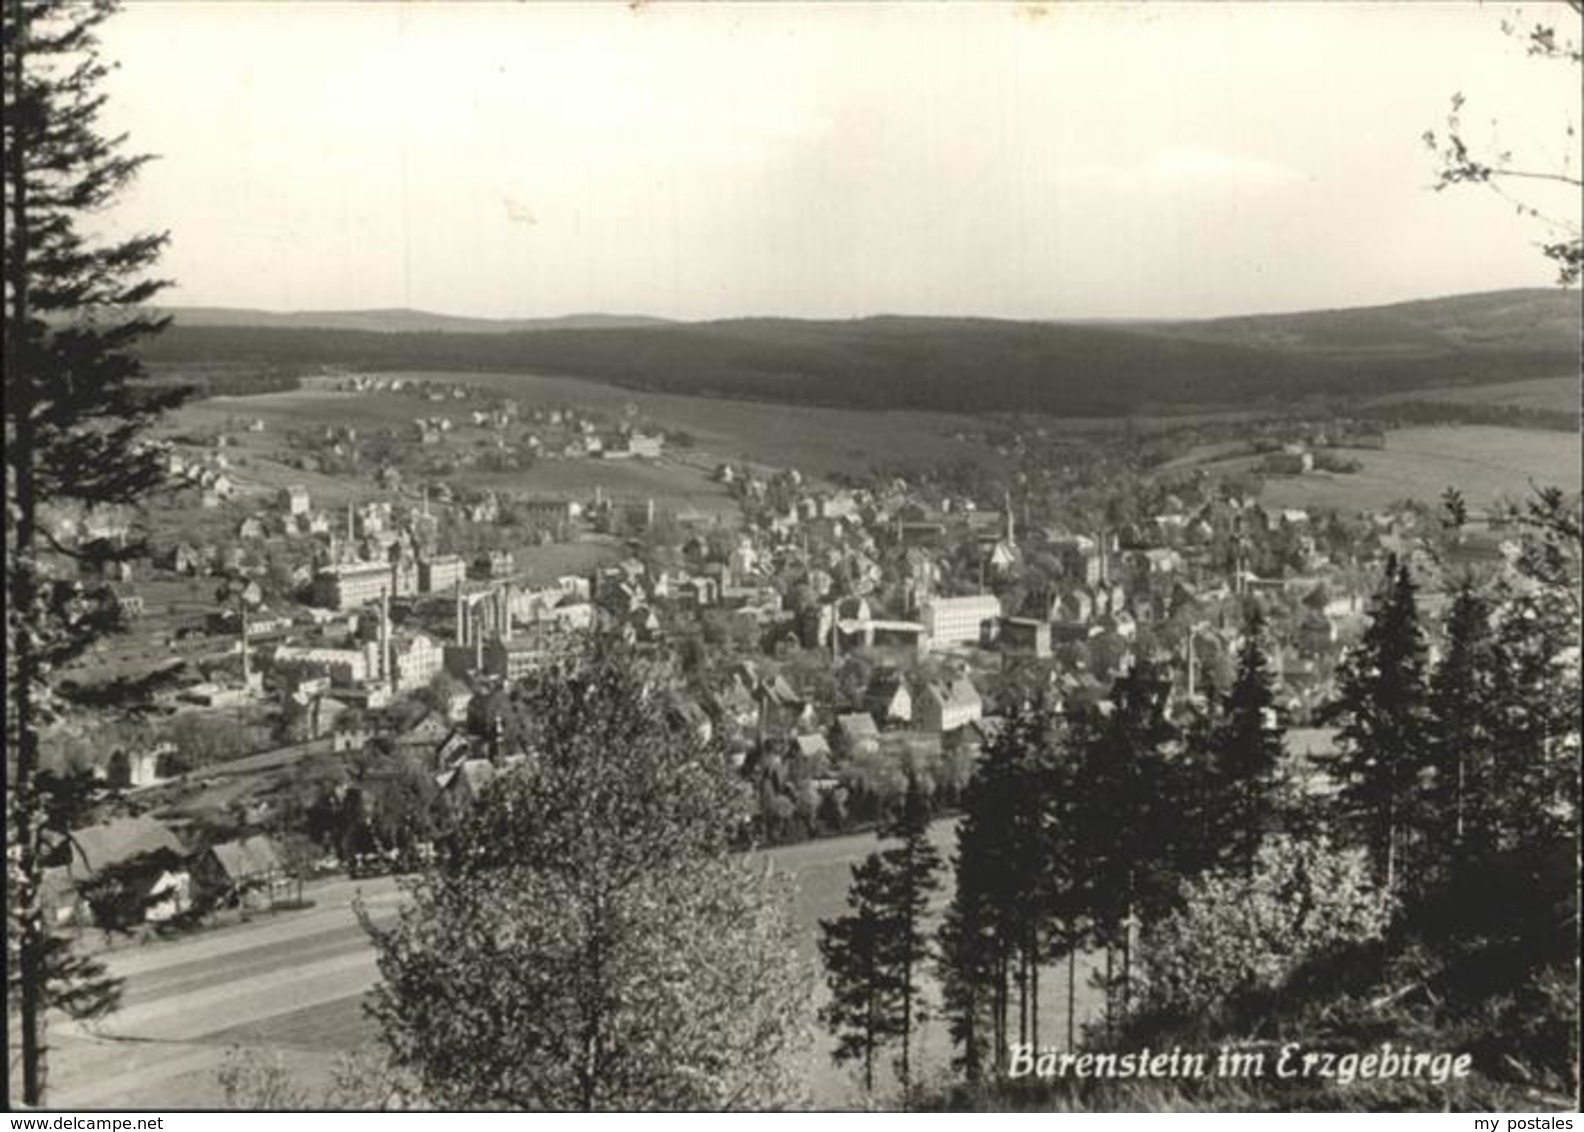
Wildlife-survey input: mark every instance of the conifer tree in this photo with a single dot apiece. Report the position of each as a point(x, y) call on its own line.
point(1133, 828)
point(1381, 705)
point(1459, 705)
point(1247, 748)
point(967, 972)
point(1005, 880)
point(875, 955)
point(74, 414)
point(862, 982)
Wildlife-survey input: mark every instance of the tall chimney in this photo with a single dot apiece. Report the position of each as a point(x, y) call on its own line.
point(385, 640)
point(247, 660)
point(460, 627)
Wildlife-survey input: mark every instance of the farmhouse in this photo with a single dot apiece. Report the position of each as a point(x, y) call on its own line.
point(146, 855)
point(237, 872)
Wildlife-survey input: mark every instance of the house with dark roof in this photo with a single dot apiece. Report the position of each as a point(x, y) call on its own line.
point(240, 872)
point(889, 699)
point(144, 858)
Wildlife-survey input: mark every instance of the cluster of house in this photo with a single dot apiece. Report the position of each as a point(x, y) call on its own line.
point(156, 878)
point(209, 472)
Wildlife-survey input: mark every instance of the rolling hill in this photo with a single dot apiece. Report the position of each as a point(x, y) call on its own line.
point(958, 364)
point(395, 320)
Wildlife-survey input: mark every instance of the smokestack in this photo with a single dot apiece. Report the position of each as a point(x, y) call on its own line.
point(506, 614)
point(247, 660)
point(351, 524)
point(385, 640)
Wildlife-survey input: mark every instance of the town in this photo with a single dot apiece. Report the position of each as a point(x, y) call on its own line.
point(786, 557)
point(334, 679)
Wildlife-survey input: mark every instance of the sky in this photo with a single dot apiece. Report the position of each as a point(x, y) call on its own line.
point(1099, 160)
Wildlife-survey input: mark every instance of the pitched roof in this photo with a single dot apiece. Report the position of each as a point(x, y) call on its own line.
point(249, 857)
point(956, 693)
point(811, 746)
point(97, 847)
point(857, 725)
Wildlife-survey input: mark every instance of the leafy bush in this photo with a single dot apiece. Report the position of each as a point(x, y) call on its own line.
point(1238, 933)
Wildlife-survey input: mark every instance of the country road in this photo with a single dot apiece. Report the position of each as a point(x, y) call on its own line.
point(291, 986)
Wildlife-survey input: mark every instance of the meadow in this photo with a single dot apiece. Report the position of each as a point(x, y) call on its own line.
point(1552, 394)
point(1485, 463)
point(818, 441)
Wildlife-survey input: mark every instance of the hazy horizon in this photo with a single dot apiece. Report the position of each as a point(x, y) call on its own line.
point(1071, 162)
point(772, 315)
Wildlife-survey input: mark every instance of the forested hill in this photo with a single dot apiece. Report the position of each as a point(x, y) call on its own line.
point(969, 364)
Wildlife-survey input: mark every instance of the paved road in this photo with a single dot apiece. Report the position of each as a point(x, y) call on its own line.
point(291, 983)
point(292, 986)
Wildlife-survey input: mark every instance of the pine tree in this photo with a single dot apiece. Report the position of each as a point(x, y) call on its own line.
point(1133, 828)
point(915, 865)
point(74, 413)
point(1247, 748)
point(1005, 879)
point(966, 969)
point(863, 984)
point(875, 955)
point(1459, 704)
point(1381, 703)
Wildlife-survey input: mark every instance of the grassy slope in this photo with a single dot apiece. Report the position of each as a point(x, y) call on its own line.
point(1483, 462)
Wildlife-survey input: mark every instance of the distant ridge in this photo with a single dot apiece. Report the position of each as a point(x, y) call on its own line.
point(395, 320)
point(958, 364)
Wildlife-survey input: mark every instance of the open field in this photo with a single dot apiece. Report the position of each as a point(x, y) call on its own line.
point(291, 987)
point(819, 441)
point(1552, 394)
point(1481, 461)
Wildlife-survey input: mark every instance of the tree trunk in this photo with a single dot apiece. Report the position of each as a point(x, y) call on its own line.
point(1034, 995)
point(20, 394)
point(1072, 995)
point(1110, 988)
point(1127, 960)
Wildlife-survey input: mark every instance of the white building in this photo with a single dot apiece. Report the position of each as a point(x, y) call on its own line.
point(352, 584)
point(960, 620)
point(416, 658)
